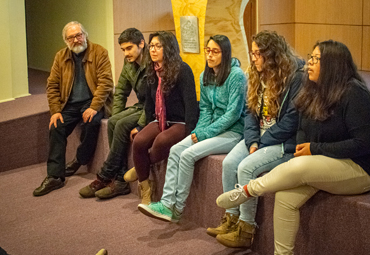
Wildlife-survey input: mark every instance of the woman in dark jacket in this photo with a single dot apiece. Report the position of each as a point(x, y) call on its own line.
point(171, 108)
point(275, 76)
point(333, 151)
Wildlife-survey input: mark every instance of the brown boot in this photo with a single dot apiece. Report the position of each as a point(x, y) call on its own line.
point(145, 192)
point(89, 190)
point(242, 237)
point(228, 223)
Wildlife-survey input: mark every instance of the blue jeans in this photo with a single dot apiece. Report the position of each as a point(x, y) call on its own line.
point(180, 165)
point(240, 167)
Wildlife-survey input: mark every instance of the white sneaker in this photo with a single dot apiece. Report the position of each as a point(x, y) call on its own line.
point(232, 198)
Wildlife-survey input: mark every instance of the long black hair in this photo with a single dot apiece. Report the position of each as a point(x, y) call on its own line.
point(171, 61)
point(209, 76)
point(318, 99)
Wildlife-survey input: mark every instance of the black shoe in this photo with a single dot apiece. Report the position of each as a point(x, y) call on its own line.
point(72, 167)
point(48, 184)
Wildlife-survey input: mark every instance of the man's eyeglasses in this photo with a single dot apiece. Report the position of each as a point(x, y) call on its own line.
point(72, 37)
point(157, 47)
point(315, 59)
point(256, 54)
point(215, 52)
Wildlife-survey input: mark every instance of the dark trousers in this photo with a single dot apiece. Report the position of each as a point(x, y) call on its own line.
point(72, 115)
point(151, 146)
point(119, 129)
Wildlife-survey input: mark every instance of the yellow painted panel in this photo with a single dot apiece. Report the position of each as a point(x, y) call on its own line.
point(342, 12)
point(223, 17)
point(191, 8)
point(308, 34)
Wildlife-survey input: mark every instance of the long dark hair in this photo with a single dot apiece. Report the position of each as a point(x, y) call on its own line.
point(171, 61)
point(317, 100)
point(280, 64)
point(209, 76)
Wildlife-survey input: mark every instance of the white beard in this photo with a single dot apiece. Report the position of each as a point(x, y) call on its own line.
point(78, 48)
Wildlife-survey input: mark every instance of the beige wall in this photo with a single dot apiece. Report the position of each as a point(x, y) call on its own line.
point(13, 64)
point(46, 19)
point(303, 23)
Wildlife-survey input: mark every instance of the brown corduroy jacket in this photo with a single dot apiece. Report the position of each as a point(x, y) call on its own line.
point(98, 75)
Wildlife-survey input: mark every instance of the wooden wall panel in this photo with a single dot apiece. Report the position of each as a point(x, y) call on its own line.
point(276, 11)
point(286, 30)
point(329, 12)
point(145, 15)
point(307, 35)
point(366, 13)
point(366, 49)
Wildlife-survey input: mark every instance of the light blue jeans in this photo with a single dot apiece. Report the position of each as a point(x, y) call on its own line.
point(240, 167)
point(180, 165)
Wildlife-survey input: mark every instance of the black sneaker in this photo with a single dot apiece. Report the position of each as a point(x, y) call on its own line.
point(48, 184)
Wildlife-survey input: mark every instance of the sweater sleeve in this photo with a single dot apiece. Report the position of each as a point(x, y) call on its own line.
point(149, 104)
point(356, 116)
point(300, 137)
point(287, 125)
point(236, 101)
point(189, 95)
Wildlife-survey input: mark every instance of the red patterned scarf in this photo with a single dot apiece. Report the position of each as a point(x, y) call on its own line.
point(160, 104)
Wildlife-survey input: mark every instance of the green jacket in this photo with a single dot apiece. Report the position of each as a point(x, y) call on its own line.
point(132, 78)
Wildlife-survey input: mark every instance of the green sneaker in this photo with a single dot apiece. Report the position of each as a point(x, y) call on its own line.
point(157, 211)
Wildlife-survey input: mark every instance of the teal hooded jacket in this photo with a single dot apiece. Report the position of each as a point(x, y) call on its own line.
point(222, 108)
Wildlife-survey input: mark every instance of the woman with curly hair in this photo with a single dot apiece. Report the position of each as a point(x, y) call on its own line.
point(171, 108)
point(219, 129)
point(270, 127)
point(333, 151)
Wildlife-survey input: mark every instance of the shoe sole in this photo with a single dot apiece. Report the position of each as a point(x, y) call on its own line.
point(44, 193)
point(212, 234)
point(174, 220)
point(225, 202)
point(150, 213)
point(230, 244)
point(111, 196)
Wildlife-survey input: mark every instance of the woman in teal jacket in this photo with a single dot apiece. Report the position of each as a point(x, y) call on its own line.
point(219, 128)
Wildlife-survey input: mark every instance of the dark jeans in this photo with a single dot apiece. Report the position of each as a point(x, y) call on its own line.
point(151, 146)
point(72, 115)
point(119, 129)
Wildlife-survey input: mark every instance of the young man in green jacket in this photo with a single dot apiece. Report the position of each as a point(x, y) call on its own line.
point(125, 120)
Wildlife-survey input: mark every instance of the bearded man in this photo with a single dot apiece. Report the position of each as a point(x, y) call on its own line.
point(80, 87)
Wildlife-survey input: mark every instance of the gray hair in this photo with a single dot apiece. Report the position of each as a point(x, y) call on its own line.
point(64, 31)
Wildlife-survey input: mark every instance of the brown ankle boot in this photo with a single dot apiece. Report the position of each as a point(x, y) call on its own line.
point(145, 192)
point(242, 237)
point(228, 223)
